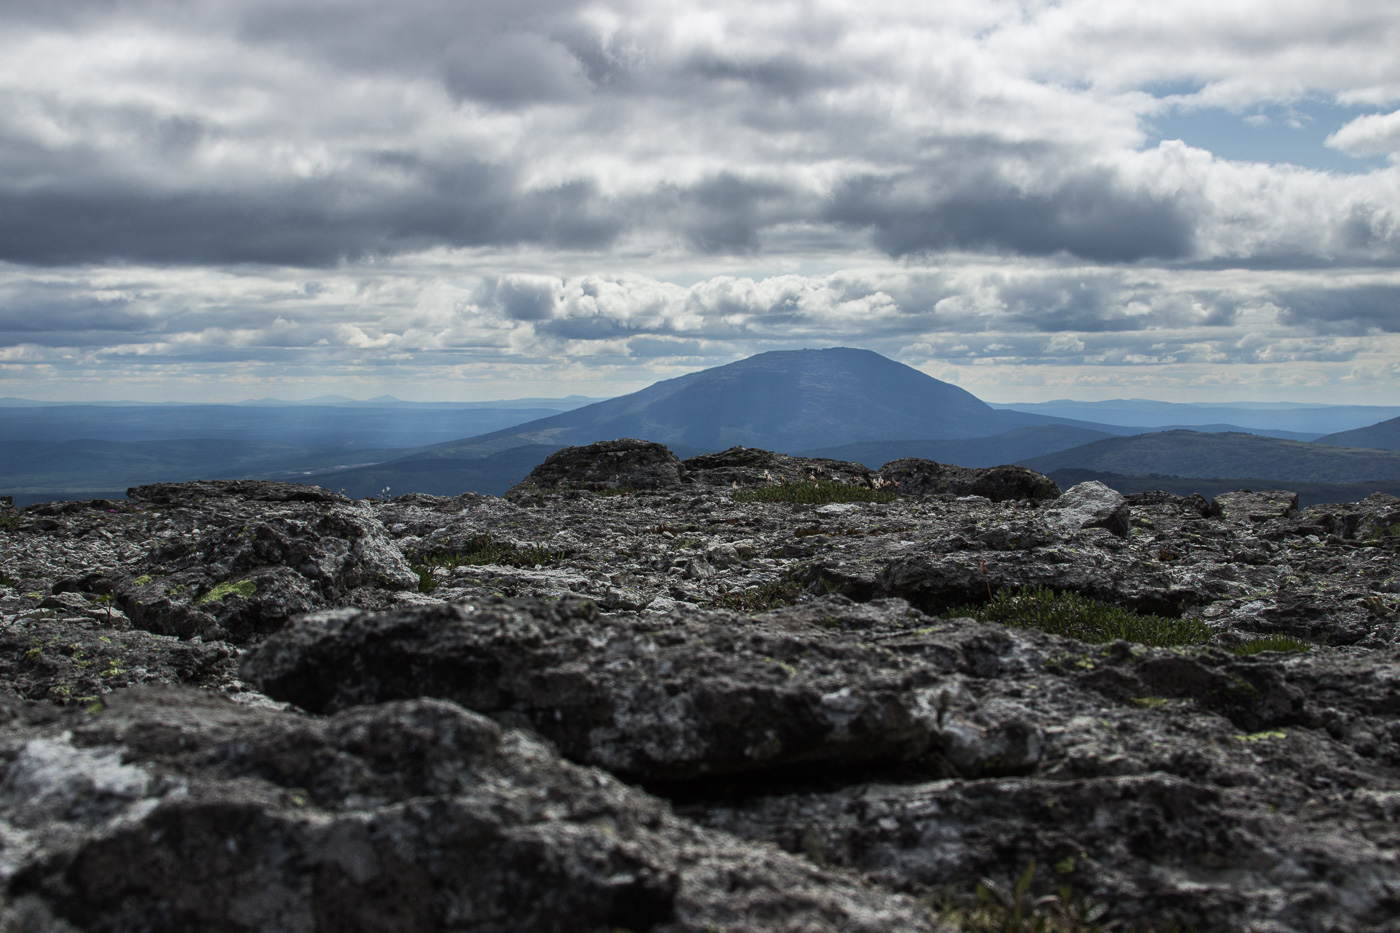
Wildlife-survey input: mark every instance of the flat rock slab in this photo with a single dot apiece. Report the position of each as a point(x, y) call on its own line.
point(175, 811)
point(653, 698)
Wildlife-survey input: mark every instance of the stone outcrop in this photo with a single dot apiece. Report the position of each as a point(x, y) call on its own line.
point(913, 476)
point(177, 810)
point(618, 466)
point(265, 707)
point(746, 466)
point(230, 561)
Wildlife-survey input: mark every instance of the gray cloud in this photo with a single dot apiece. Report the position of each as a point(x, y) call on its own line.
point(1359, 309)
point(1089, 215)
point(304, 222)
point(784, 75)
point(520, 298)
point(725, 213)
point(512, 70)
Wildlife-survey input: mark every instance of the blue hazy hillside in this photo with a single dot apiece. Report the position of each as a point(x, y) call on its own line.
point(1289, 419)
point(1383, 436)
point(55, 451)
point(786, 400)
point(839, 402)
point(1199, 455)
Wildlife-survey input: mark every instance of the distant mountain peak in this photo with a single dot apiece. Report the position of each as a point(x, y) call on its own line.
point(781, 400)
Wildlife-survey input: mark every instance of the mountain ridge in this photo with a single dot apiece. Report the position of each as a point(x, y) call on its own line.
point(1193, 454)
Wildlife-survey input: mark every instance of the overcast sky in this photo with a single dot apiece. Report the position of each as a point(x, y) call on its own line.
point(211, 200)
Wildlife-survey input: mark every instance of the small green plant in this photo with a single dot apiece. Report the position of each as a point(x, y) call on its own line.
point(244, 588)
point(9, 520)
point(996, 909)
point(478, 551)
point(1088, 620)
point(105, 601)
point(760, 598)
point(7, 580)
point(1275, 642)
point(143, 579)
point(813, 492)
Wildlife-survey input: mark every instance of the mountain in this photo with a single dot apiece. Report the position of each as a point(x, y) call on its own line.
point(492, 474)
point(995, 450)
point(541, 406)
point(1195, 454)
point(785, 400)
point(73, 451)
point(1383, 436)
point(300, 425)
point(1277, 418)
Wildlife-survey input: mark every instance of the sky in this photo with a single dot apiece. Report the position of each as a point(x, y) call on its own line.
point(212, 200)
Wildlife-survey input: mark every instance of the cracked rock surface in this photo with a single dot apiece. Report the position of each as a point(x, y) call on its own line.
point(260, 706)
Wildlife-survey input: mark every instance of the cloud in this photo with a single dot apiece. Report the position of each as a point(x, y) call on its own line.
point(512, 70)
point(659, 186)
point(1362, 309)
point(272, 133)
point(1373, 134)
point(521, 297)
point(1088, 215)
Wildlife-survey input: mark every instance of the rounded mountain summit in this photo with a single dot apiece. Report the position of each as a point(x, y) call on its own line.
point(785, 400)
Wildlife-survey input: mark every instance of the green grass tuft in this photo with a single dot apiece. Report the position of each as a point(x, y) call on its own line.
point(616, 491)
point(999, 909)
point(244, 588)
point(1274, 642)
point(1088, 620)
point(479, 551)
point(813, 492)
point(760, 598)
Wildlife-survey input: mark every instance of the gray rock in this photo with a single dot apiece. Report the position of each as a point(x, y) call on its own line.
point(1089, 505)
point(176, 811)
point(914, 476)
point(607, 465)
point(740, 467)
point(780, 671)
point(653, 699)
point(253, 564)
point(1257, 506)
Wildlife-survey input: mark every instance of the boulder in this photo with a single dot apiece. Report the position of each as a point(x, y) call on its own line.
point(662, 698)
point(1089, 505)
point(914, 476)
point(620, 465)
point(1249, 506)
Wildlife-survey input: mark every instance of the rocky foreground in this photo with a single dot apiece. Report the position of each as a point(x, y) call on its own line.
point(642, 694)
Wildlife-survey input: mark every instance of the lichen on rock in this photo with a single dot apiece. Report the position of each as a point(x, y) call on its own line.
point(813, 731)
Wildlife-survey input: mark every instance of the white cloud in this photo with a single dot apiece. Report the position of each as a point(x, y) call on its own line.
point(1373, 134)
